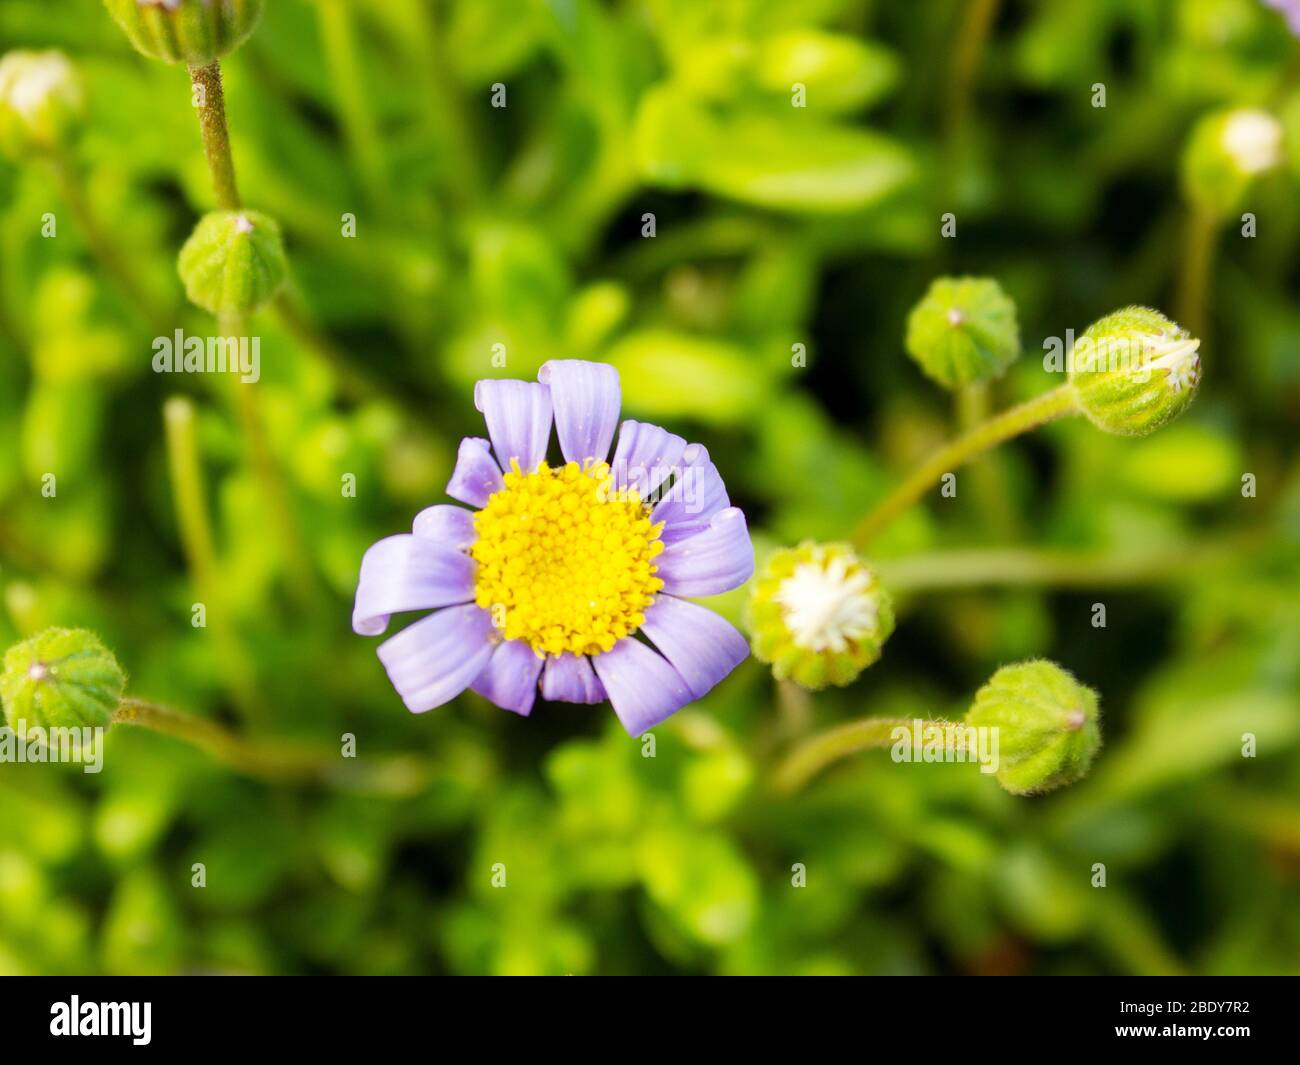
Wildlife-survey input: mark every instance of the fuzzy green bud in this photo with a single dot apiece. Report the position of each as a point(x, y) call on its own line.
point(819, 615)
point(62, 678)
point(963, 331)
point(1046, 721)
point(194, 32)
point(234, 262)
point(1134, 370)
point(1225, 153)
point(41, 103)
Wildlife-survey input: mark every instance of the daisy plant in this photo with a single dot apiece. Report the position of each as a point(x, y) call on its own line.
point(819, 613)
point(575, 579)
point(233, 264)
point(67, 679)
point(42, 114)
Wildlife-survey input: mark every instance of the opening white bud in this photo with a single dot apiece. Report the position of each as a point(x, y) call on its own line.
point(1254, 140)
point(828, 607)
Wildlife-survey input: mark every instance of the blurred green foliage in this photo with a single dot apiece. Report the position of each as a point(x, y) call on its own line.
point(774, 226)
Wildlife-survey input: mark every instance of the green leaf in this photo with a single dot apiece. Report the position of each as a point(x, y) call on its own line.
point(797, 163)
point(668, 374)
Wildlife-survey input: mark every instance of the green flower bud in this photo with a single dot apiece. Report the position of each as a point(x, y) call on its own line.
point(963, 331)
point(819, 615)
point(1047, 725)
point(63, 678)
point(1225, 153)
point(234, 262)
point(195, 32)
point(41, 103)
point(1134, 370)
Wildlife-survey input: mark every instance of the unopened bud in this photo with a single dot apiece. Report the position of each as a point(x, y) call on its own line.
point(62, 678)
point(963, 331)
point(194, 32)
point(234, 263)
point(1225, 152)
point(1046, 725)
point(1135, 370)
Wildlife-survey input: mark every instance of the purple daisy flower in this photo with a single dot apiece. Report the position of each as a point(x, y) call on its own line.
point(559, 570)
point(1289, 8)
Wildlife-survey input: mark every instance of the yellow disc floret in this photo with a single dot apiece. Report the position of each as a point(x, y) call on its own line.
point(565, 561)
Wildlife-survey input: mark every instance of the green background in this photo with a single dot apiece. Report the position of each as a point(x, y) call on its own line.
point(775, 226)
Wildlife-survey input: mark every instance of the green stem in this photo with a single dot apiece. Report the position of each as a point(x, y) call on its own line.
point(966, 55)
point(968, 51)
point(216, 146)
point(105, 249)
point(199, 547)
point(795, 707)
point(187, 485)
point(972, 405)
point(992, 495)
point(1048, 567)
point(815, 754)
point(1198, 269)
point(1057, 403)
point(216, 135)
point(281, 761)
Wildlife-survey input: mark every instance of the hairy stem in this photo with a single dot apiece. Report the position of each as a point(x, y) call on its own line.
point(815, 754)
point(216, 134)
point(216, 146)
point(281, 761)
point(1057, 403)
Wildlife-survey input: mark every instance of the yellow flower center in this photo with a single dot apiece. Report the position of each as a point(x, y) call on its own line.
point(564, 560)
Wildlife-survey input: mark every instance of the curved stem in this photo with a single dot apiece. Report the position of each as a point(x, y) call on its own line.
point(284, 761)
point(1057, 403)
point(815, 754)
point(216, 134)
